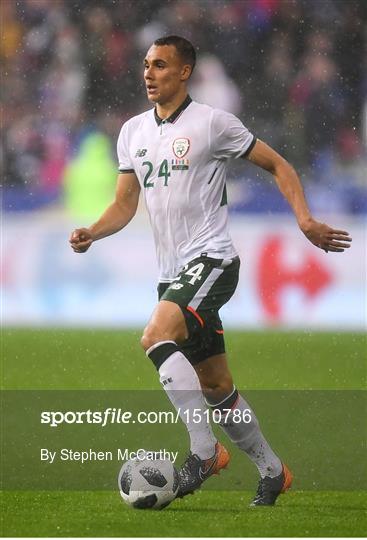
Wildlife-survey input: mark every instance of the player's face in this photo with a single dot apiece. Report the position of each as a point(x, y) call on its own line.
point(164, 73)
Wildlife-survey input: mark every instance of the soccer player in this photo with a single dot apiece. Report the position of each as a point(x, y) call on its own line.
point(177, 155)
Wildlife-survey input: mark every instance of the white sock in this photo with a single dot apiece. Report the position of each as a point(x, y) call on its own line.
point(242, 427)
point(182, 386)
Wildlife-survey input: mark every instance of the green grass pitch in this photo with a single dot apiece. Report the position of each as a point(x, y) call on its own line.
point(112, 360)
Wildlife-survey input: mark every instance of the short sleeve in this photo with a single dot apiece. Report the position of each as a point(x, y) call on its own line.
point(125, 164)
point(229, 138)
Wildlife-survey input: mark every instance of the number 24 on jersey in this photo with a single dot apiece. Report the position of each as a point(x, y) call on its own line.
point(163, 172)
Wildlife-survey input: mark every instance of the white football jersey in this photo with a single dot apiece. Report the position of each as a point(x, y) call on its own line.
point(181, 165)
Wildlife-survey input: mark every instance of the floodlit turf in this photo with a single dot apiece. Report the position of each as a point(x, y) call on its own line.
point(204, 514)
point(68, 359)
point(113, 360)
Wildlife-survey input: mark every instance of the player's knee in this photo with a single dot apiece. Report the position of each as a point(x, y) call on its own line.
point(148, 339)
point(217, 390)
point(153, 335)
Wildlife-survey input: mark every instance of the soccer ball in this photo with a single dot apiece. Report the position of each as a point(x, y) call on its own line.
point(148, 483)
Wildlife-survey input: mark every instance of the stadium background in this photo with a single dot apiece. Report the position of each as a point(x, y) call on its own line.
point(295, 73)
point(73, 75)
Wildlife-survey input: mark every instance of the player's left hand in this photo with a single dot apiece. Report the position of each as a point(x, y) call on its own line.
point(326, 238)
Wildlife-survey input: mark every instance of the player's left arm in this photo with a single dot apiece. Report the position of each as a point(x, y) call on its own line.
point(288, 182)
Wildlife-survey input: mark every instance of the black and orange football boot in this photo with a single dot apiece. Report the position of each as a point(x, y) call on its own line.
point(195, 470)
point(269, 489)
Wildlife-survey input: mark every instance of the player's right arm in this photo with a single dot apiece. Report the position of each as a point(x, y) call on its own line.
point(115, 217)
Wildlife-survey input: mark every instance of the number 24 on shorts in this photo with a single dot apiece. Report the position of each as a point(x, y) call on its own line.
point(195, 272)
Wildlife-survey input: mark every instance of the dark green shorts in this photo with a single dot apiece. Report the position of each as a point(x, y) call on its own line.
point(202, 287)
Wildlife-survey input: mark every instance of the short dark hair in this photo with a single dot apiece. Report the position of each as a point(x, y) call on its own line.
point(183, 46)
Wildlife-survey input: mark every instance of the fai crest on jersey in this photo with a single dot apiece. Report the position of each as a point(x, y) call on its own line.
point(181, 147)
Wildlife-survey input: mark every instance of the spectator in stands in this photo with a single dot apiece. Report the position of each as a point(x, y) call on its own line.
point(72, 64)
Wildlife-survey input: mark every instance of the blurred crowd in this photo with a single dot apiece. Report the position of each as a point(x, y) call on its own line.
point(295, 72)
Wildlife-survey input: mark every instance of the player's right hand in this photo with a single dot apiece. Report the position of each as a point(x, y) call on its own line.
point(81, 240)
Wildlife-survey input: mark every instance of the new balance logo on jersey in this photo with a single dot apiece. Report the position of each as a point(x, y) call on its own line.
point(166, 381)
point(141, 153)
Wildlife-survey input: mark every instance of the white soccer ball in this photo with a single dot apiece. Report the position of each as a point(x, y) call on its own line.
point(148, 483)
